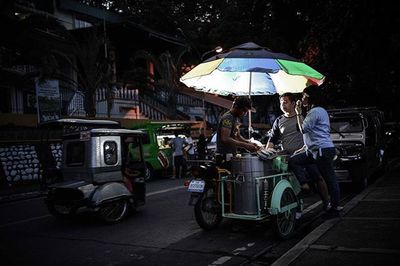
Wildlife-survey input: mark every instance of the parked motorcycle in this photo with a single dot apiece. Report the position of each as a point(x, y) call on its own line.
point(255, 189)
point(102, 169)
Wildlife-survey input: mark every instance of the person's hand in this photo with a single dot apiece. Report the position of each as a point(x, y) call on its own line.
point(272, 150)
point(298, 107)
point(252, 147)
point(298, 151)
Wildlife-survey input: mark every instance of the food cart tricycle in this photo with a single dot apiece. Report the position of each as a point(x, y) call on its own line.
point(254, 189)
point(102, 170)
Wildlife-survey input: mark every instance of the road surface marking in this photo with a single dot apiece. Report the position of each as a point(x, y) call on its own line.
point(311, 207)
point(221, 260)
point(238, 250)
point(164, 191)
point(26, 220)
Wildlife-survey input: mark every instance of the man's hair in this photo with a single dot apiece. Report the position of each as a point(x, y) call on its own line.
point(242, 102)
point(315, 96)
point(289, 95)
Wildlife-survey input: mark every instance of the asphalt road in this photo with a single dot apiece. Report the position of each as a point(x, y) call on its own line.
point(163, 232)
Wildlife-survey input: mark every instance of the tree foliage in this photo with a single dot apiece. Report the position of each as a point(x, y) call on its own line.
point(344, 39)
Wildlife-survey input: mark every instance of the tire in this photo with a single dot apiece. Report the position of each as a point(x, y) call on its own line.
point(207, 210)
point(149, 172)
point(113, 212)
point(284, 223)
point(61, 211)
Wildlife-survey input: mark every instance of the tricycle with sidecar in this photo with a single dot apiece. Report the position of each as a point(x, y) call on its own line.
point(102, 169)
point(254, 189)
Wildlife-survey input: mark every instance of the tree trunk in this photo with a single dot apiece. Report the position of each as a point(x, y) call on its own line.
point(90, 103)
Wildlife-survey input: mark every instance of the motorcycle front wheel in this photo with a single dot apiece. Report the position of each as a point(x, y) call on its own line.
point(207, 210)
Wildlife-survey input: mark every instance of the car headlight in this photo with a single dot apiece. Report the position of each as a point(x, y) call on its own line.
point(350, 152)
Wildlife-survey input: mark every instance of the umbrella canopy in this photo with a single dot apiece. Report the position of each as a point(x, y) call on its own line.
point(250, 69)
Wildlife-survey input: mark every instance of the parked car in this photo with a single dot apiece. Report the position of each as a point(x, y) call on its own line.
point(358, 137)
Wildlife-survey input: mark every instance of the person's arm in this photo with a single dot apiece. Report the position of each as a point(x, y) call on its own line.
point(275, 135)
point(300, 150)
point(270, 144)
point(238, 141)
point(299, 116)
point(246, 142)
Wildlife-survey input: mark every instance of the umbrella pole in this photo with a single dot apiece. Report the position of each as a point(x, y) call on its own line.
point(250, 108)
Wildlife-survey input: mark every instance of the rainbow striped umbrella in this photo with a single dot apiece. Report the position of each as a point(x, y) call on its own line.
point(250, 69)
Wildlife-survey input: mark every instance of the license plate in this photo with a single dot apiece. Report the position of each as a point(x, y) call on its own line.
point(196, 186)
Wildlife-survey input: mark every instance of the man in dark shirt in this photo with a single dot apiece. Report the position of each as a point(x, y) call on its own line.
point(228, 135)
point(286, 130)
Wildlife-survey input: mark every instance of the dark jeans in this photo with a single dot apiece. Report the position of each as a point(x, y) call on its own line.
point(312, 171)
point(324, 163)
point(180, 164)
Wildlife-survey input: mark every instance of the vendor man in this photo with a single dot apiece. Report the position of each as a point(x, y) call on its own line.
point(228, 134)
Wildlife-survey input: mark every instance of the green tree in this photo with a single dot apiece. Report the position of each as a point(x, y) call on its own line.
point(89, 63)
point(342, 39)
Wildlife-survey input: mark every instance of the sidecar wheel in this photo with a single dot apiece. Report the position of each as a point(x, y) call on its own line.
point(207, 210)
point(284, 223)
point(113, 212)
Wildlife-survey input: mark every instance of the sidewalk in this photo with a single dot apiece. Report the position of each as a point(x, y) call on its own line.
point(367, 233)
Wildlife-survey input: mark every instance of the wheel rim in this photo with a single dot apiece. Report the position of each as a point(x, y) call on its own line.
point(147, 172)
point(286, 220)
point(209, 207)
point(114, 211)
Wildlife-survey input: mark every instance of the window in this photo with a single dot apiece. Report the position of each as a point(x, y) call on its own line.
point(82, 24)
point(110, 152)
point(346, 125)
point(146, 138)
point(76, 153)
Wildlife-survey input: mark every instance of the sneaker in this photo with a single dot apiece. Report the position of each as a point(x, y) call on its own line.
point(337, 208)
point(298, 215)
point(328, 207)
